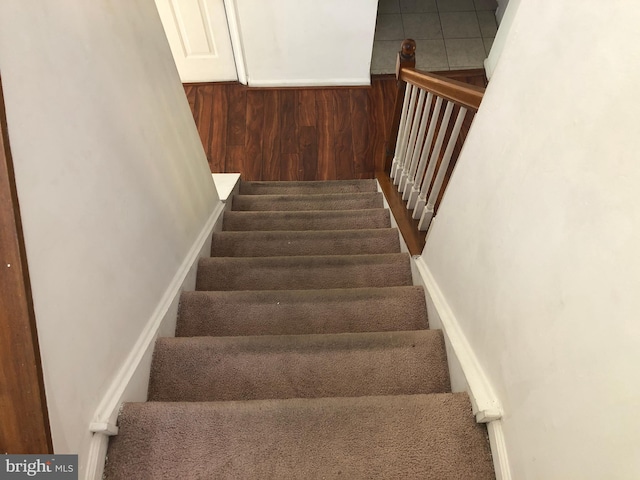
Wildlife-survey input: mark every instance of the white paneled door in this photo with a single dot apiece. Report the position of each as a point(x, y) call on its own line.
point(198, 34)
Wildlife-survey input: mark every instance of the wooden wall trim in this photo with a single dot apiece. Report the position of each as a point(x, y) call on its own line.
point(413, 238)
point(24, 421)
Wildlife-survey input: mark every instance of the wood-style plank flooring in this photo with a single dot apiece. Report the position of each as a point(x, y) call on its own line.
point(298, 133)
point(293, 134)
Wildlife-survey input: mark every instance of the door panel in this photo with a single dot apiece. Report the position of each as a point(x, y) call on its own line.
point(198, 34)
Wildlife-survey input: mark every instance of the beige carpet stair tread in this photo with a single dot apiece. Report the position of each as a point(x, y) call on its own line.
point(388, 437)
point(334, 201)
point(301, 273)
point(307, 220)
point(192, 369)
point(309, 187)
point(325, 242)
point(290, 312)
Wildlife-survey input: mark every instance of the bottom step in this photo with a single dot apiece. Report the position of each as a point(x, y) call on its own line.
point(406, 436)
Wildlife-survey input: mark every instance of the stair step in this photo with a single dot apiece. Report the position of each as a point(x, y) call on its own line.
point(405, 436)
point(308, 220)
point(289, 243)
point(201, 369)
point(334, 201)
point(304, 353)
point(304, 273)
point(310, 187)
point(295, 312)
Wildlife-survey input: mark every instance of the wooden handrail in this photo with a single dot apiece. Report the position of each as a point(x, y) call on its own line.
point(423, 158)
point(464, 94)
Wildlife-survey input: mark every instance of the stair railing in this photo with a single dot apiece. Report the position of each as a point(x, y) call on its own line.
point(422, 125)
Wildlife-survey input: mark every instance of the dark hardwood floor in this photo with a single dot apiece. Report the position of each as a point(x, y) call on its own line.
point(293, 134)
point(298, 133)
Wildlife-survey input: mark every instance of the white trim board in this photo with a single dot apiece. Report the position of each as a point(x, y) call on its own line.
point(236, 39)
point(132, 380)
point(310, 82)
point(499, 450)
point(465, 370)
point(225, 184)
point(486, 406)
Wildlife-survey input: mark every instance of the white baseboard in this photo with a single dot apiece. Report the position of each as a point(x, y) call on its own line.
point(96, 456)
point(310, 82)
point(499, 450)
point(132, 380)
point(465, 370)
point(486, 406)
point(488, 67)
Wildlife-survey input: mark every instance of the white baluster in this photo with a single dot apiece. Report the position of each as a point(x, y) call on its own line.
point(401, 129)
point(420, 145)
point(414, 139)
point(433, 160)
point(412, 92)
point(424, 157)
point(427, 214)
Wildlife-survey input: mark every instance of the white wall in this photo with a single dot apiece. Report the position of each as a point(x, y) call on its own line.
point(307, 42)
point(505, 15)
point(536, 245)
point(112, 181)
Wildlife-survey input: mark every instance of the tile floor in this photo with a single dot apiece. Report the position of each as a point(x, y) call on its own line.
point(451, 34)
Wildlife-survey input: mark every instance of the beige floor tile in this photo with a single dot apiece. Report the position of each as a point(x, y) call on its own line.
point(431, 56)
point(485, 4)
point(456, 6)
point(422, 25)
point(450, 34)
point(465, 53)
point(488, 43)
point(383, 59)
point(488, 24)
point(388, 6)
point(418, 6)
point(389, 27)
point(460, 25)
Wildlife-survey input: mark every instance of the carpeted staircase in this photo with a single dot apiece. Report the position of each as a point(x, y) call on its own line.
point(304, 353)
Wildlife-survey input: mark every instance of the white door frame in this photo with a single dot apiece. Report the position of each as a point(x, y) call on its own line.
point(236, 40)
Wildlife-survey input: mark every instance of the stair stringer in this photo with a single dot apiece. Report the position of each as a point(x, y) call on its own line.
point(394, 224)
point(131, 382)
point(466, 372)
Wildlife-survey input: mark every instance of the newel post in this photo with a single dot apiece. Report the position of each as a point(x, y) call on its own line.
point(406, 59)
